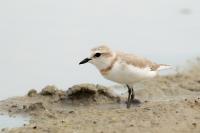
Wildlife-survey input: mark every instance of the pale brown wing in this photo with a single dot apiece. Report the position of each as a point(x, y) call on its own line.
point(137, 61)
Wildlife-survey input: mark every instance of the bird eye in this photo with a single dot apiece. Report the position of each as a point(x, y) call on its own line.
point(97, 55)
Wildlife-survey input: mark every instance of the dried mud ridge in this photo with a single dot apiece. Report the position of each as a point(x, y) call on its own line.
point(77, 95)
point(169, 104)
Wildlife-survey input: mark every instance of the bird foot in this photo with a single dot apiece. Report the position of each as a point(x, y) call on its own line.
point(134, 102)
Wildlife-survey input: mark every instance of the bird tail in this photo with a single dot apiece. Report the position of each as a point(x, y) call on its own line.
point(164, 67)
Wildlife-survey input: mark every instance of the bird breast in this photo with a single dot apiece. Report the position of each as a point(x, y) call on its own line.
point(128, 74)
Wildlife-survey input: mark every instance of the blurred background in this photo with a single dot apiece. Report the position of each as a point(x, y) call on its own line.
point(42, 41)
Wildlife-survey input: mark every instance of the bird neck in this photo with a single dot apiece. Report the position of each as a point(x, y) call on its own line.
point(108, 68)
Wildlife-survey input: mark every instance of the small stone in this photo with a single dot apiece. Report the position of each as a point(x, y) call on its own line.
point(196, 101)
point(147, 108)
point(32, 93)
point(71, 112)
point(35, 127)
point(131, 125)
point(24, 107)
point(194, 124)
point(94, 122)
point(185, 99)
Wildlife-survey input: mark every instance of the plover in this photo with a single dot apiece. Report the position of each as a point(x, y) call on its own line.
point(123, 68)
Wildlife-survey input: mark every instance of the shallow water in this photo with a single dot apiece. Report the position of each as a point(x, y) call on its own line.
point(12, 122)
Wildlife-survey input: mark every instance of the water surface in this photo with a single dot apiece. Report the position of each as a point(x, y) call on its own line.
point(12, 122)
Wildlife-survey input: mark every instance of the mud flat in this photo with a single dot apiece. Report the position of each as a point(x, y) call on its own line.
point(169, 104)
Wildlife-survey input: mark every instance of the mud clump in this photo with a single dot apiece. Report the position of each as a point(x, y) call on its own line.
point(36, 106)
point(32, 93)
point(49, 90)
point(82, 94)
point(53, 92)
point(89, 93)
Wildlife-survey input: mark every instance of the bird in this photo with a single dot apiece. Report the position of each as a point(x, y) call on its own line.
point(123, 68)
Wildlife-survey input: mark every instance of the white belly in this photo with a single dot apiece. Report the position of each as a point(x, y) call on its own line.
point(128, 74)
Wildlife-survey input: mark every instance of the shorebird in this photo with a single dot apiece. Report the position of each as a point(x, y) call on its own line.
point(123, 68)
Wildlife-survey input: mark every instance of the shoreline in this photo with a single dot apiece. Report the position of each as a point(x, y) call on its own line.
point(168, 104)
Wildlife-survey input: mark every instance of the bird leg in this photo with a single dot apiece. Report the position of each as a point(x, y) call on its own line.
point(131, 96)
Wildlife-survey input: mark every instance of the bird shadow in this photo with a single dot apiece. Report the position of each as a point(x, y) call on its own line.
point(135, 103)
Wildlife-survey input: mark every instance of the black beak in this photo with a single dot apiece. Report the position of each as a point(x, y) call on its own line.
point(85, 61)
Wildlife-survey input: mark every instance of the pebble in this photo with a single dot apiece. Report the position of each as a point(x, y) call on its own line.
point(131, 125)
point(185, 99)
point(194, 124)
point(71, 112)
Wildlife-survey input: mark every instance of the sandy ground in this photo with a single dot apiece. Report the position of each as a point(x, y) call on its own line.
point(169, 104)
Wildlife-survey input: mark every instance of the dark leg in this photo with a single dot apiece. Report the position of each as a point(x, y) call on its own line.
point(132, 95)
point(129, 96)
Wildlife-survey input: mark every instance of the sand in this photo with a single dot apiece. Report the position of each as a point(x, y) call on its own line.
point(169, 104)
